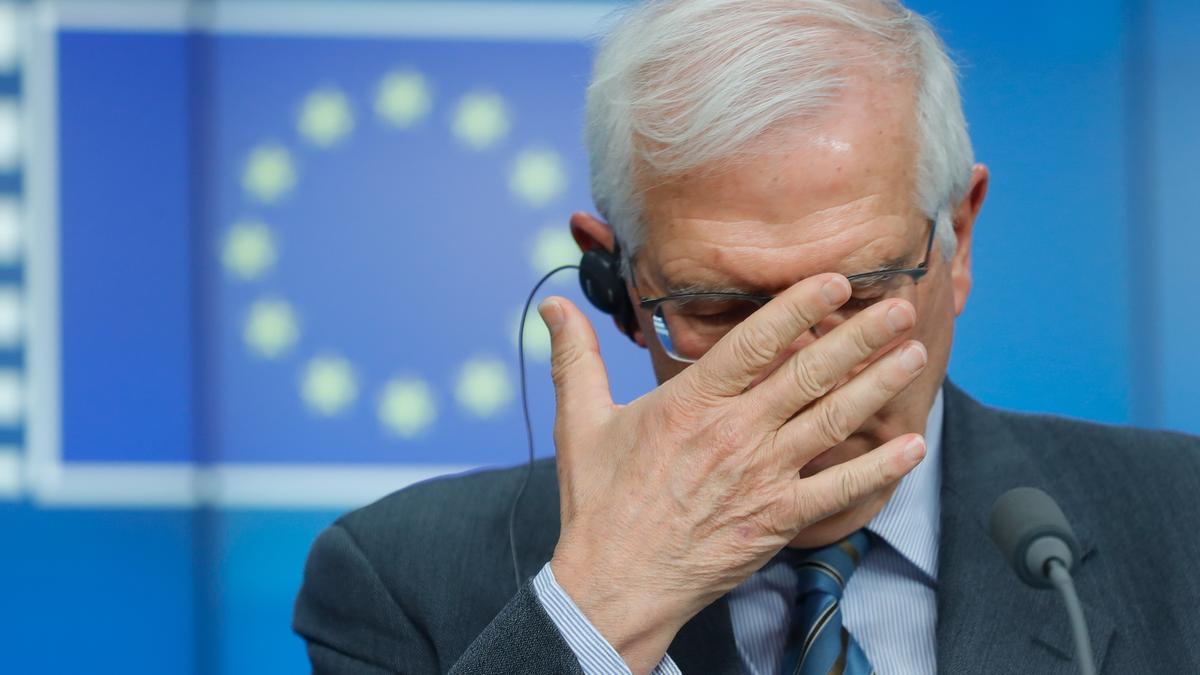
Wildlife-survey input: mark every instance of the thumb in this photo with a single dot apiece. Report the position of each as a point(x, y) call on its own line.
point(580, 379)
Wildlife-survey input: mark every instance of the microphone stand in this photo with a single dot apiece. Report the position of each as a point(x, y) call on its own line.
point(1060, 576)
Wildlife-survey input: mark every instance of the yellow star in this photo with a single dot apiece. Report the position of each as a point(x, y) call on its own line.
point(328, 385)
point(538, 177)
point(325, 117)
point(269, 172)
point(249, 250)
point(406, 407)
point(483, 387)
point(480, 120)
point(553, 247)
point(271, 328)
point(403, 98)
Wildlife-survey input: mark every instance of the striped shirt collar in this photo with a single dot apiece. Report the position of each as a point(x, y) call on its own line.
point(910, 521)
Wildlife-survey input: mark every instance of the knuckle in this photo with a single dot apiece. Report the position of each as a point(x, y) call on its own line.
point(847, 489)
point(803, 305)
point(812, 373)
point(862, 339)
point(755, 345)
point(786, 517)
point(806, 505)
point(562, 362)
point(568, 359)
point(802, 315)
point(832, 422)
point(824, 503)
point(683, 396)
point(886, 471)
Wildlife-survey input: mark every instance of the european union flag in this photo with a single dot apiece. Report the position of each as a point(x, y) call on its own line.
point(373, 212)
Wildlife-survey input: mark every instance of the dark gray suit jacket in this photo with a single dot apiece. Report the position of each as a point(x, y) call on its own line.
point(422, 581)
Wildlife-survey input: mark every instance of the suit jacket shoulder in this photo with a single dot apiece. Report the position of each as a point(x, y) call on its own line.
point(460, 521)
point(1123, 484)
point(1075, 435)
point(411, 582)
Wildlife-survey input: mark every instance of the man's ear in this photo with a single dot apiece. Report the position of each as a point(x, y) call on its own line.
point(964, 231)
point(590, 232)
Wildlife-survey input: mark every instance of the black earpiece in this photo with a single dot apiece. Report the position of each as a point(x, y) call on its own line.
point(604, 286)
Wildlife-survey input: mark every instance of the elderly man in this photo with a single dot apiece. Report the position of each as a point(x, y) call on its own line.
point(788, 197)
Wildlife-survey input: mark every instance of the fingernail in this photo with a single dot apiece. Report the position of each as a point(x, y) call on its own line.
point(915, 449)
point(899, 318)
point(913, 357)
point(552, 314)
point(836, 291)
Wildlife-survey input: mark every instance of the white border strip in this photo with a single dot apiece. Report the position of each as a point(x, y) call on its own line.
point(233, 486)
point(41, 240)
point(313, 486)
point(526, 21)
point(124, 484)
point(125, 15)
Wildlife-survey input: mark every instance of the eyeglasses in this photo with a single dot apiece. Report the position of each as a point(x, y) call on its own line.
point(687, 325)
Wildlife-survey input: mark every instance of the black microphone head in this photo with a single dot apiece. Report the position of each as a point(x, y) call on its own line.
point(1030, 530)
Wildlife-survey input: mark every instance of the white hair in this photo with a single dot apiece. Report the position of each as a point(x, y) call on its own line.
point(680, 85)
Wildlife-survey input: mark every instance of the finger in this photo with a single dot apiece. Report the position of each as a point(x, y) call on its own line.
point(580, 378)
point(734, 362)
point(833, 418)
point(843, 485)
point(812, 372)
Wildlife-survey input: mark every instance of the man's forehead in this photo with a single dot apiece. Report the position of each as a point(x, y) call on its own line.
point(825, 198)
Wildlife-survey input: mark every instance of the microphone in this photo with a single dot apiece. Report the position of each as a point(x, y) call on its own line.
point(1036, 540)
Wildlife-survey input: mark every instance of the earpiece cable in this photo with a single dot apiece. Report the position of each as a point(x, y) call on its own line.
point(512, 513)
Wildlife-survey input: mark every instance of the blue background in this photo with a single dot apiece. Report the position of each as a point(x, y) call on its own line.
point(407, 253)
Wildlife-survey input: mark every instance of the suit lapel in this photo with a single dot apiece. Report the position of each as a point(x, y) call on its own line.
point(988, 621)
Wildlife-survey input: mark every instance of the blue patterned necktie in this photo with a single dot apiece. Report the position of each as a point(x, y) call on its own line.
point(818, 643)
